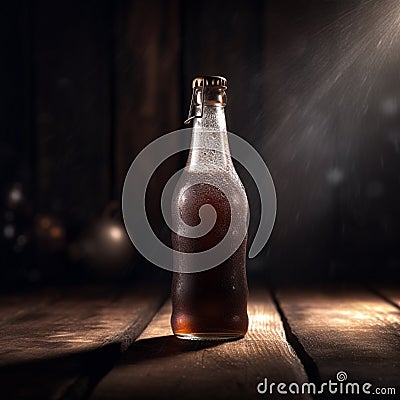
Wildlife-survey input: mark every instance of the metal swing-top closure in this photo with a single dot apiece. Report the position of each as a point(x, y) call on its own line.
point(208, 90)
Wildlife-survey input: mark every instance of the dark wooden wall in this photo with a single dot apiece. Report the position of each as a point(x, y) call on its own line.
point(87, 84)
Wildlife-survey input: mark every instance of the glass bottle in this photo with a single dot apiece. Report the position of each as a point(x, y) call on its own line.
point(210, 304)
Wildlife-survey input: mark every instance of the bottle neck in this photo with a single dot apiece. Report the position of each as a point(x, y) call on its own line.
point(209, 146)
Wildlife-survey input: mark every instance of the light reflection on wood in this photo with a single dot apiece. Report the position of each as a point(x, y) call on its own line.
point(351, 330)
point(158, 364)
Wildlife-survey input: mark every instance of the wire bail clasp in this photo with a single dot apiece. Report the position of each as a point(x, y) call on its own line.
point(215, 86)
point(196, 108)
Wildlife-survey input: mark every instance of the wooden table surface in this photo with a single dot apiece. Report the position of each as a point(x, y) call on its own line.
point(116, 343)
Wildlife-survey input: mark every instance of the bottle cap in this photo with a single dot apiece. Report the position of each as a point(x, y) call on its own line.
point(197, 102)
point(213, 80)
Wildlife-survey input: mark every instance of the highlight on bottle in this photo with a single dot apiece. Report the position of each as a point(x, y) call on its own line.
point(145, 239)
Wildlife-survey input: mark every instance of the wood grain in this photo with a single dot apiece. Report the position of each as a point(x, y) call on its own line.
point(62, 347)
point(301, 232)
point(16, 139)
point(14, 306)
point(160, 366)
point(16, 92)
point(72, 80)
point(346, 330)
point(146, 92)
point(147, 85)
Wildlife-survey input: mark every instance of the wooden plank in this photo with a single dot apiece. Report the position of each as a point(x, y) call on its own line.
point(160, 366)
point(14, 306)
point(369, 155)
point(16, 139)
point(293, 144)
point(72, 80)
point(61, 348)
point(230, 45)
point(147, 89)
point(15, 100)
point(346, 330)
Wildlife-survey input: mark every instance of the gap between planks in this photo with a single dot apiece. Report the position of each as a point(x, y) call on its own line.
point(158, 365)
point(350, 330)
point(389, 294)
point(59, 346)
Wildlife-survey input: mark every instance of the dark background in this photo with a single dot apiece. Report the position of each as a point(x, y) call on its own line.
point(313, 85)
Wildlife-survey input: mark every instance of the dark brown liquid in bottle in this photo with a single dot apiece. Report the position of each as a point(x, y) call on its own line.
point(211, 304)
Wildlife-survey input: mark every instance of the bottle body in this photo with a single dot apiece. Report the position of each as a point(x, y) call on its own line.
point(210, 304)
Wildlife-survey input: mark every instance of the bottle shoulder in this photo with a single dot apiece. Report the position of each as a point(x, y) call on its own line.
point(226, 181)
point(211, 175)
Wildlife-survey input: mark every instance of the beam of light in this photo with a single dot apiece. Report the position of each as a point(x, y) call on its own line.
point(368, 39)
point(322, 100)
point(259, 321)
point(354, 313)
